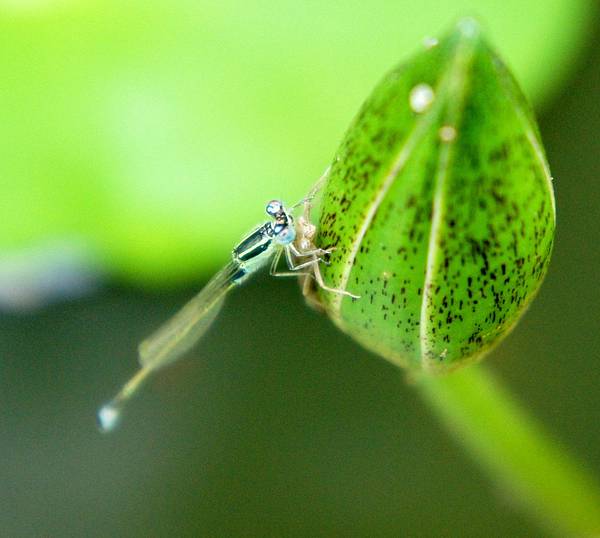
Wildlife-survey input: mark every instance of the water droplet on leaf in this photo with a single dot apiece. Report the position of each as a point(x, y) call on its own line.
point(430, 42)
point(447, 133)
point(421, 97)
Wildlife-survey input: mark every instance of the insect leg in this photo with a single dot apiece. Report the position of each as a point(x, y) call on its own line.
point(294, 269)
point(291, 273)
point(319, 278)
point(274, 262)
point(309, 252)
point(291, 251)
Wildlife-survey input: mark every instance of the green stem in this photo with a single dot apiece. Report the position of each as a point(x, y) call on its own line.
point(515, 451)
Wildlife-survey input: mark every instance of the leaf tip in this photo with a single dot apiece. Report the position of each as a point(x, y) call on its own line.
point(469, 28)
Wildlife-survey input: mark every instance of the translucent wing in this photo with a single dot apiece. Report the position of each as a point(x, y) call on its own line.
point(173, 339)
point(187, 326)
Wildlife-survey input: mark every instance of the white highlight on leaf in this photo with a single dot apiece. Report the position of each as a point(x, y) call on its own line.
point(421, 97)
point(456, 88)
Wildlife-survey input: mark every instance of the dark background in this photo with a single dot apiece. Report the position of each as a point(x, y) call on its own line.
point(283, 426)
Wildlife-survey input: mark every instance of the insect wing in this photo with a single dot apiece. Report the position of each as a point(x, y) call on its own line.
point(186, 327)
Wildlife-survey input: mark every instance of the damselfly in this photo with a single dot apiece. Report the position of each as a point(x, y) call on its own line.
point(281, 235)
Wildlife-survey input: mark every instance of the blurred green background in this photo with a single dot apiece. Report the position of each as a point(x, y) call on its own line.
point(138, 143)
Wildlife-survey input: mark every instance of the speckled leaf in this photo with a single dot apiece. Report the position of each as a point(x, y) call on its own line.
point(441, 209)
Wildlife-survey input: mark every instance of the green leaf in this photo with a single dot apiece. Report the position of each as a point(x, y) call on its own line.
point(156, 131)
point(440, 207)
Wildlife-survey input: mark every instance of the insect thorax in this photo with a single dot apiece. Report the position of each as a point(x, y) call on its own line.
point(255, 244)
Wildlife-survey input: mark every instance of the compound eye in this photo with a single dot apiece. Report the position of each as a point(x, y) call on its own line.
point(274, 207)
